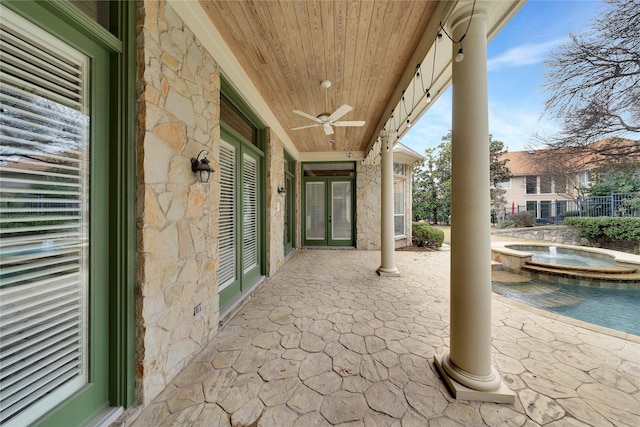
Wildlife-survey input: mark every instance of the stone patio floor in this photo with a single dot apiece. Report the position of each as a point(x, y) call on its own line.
point(325, 341)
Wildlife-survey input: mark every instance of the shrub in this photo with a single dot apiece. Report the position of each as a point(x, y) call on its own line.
point(507, 223)
point(425, 235)
point(523, 219)
point(569, 214)
point(607, 229)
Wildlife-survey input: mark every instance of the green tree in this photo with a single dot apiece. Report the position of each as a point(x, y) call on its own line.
point(432, 180)
point(498, 172)
point(614, 181)
point(432, 184)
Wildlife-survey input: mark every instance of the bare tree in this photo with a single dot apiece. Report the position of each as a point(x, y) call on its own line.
point(593, 83)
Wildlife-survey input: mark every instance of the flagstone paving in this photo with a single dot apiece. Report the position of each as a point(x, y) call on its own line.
point(326, 341)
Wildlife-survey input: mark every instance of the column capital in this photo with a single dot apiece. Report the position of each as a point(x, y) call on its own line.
point(387, 135)
point(462, 15)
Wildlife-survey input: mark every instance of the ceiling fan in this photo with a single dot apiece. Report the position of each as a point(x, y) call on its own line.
point(326, 120)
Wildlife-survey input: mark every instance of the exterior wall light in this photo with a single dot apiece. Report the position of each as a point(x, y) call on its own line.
point(202, 167)
point(282, 191)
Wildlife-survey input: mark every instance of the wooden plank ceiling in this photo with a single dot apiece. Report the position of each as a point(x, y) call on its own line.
point(289, 47)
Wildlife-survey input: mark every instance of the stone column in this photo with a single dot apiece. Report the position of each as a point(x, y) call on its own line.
point(387, 242)
point(468, 368)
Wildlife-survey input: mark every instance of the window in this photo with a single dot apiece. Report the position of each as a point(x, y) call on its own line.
point(545, 209)
point(95, 9)
point(561, 208)
point(236, 121)
point(398, 207)
point(398, 169)
point(545, 184)
point(533, 206)
point(585, 178)
point(45, 211)
point(531, 184)
point(560, 184)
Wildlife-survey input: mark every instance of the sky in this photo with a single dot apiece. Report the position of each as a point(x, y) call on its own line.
point(516, 74)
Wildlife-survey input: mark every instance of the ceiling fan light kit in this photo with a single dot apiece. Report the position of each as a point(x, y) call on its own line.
point(326, 120)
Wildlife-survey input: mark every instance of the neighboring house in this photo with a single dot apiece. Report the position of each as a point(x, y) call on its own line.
point(533, 187)
point(551, 182)
point(128, 263)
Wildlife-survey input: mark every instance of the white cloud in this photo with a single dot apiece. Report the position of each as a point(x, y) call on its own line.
point(432, 126)
point(525, 54)
point(516, 127)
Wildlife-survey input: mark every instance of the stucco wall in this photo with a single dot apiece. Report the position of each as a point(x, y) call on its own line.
point(178, 116)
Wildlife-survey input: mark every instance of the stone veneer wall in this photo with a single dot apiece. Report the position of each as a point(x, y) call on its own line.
point(178, 116)
point(556, 233)
point(275, 203)
point(368, 184)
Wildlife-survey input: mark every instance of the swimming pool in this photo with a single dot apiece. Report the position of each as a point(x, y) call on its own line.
point(613, 308)
point(552, 255)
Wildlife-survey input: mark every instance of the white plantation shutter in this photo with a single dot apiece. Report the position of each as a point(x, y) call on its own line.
point(315, 207)
point(227, 220)
point(44, 153)
point(249, 213)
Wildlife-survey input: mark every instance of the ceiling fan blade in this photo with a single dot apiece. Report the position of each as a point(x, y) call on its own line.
point(308, 116)
point(307, 126)
point(357, 123)
point(341, 111)
point(328, 129)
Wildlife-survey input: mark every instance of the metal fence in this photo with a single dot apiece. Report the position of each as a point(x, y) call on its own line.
point(555, 211)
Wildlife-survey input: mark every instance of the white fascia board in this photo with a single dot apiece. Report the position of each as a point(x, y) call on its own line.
point(196, 18)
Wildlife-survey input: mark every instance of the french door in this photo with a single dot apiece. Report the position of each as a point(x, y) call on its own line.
point(54, 225)
point(239, 243)
point(328, 212)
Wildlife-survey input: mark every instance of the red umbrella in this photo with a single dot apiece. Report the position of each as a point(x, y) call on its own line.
point(513, 208)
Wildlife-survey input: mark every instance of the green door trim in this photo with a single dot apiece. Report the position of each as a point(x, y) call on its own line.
point(327, 241)
point(290, 202)
point(117, 179)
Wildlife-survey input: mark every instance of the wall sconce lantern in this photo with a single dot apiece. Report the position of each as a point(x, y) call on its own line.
point(282, 191)
point(202, 167)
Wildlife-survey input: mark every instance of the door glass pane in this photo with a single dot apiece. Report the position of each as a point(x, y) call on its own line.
point(227, 219)
point(44, 223)
point(315, 210)
point(341, 211)
point(249, 213)
point(98, 10)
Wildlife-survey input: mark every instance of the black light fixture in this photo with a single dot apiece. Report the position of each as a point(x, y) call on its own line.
point(202, 167)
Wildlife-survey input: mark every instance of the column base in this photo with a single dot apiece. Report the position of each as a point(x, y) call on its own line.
point(388, 272)
point(501, 395)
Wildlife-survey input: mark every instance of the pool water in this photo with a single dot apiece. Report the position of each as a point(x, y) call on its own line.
point(612, 308)
point(554, 257)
